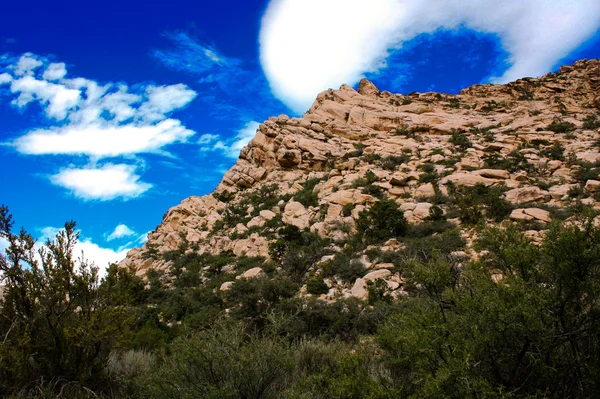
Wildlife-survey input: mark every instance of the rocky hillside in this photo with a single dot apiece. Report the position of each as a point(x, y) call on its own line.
point(523, 153)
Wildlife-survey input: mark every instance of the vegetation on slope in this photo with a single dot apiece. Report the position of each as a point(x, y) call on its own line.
point(522, 321)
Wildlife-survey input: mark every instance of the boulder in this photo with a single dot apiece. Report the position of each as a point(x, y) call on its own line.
point(255, 272)
point(359, 289)
point(226, 286)
point(377, 274)
point(527, 194)
point(467, 179)
point(592, 186)
point(493, 173)
point(425, 191)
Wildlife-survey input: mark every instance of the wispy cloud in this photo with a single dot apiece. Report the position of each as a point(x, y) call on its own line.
point(233, 88)
point(356, 37)
point(230, 147)
point(95, 120)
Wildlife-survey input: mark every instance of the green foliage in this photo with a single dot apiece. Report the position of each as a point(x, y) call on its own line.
point(532, 334)
point(391, 162)
point(587, 171)
point(383, 220)
point(223, 362)
point(477, 203)
point(307, 195)
point(429, 174)
point(371, 158)
point(345, 267)
point(555, 152)
point(316, 286)
point(460, 140)
point(591, 122)
point(560, 126)
point(54, 322)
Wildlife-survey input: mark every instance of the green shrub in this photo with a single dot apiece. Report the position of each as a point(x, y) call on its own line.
point(460, 140)
point(316, 286)
point(383, 220)
point(391, 162)
point(307, 195)
point(560, 126)
point(555, 152)
point(479, 202)
point(591, 122)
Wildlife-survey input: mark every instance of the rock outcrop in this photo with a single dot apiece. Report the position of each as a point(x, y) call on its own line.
point(534, 140)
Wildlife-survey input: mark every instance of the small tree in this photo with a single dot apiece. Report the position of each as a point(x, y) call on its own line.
point(54, 325)
point(382, 221)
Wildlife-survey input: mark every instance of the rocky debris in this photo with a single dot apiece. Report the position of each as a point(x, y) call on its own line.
point(358, 146)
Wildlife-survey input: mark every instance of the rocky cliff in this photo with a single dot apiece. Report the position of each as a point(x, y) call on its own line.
point(521, 153)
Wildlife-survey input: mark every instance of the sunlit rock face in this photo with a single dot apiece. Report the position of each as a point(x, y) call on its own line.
point(532, 140)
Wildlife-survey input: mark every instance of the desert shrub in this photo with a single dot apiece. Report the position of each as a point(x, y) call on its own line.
point(344, 266)
point(307, 195)
point(460, 140)
point(591, 122)
point(316, 286)
point(347, 209)
point(479, 202)
point(436, 214)
point(560, 126)
point(358, 151)
point(555, 152)
point(425, 246)
point(371, 158)
point(429, 174)
point(224, 362)
point(373, 189)
point(383, 220)
point(391, 162)
point(516, 336)
point(587, 171)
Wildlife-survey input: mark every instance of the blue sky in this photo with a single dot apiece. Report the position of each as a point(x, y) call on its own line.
point(112, 113)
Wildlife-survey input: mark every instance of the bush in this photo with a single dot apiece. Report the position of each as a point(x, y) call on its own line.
point(591, 122)
point(391, 162)
point(555, 152)
point(560, 126)
point(316, 286)
point(383, 220)
point(223, 362)
point(460, 140)
point(307, 196)
point(477, 203)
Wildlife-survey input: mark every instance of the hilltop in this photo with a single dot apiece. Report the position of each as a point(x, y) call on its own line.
point(522, 153)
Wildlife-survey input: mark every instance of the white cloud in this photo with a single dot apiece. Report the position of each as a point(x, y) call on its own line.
point(232, 147)
point(3, 245)
point(105, 183)
point(165, 99)
point(57, 99)
point(27, 64)
point(55, 71)
point(94, 120)
point(5, 78)
point(119, 232)
point(207, 138)
point(355, 36)
point(103, 141)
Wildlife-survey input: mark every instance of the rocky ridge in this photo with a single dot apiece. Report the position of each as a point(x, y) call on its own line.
point(535, 142)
